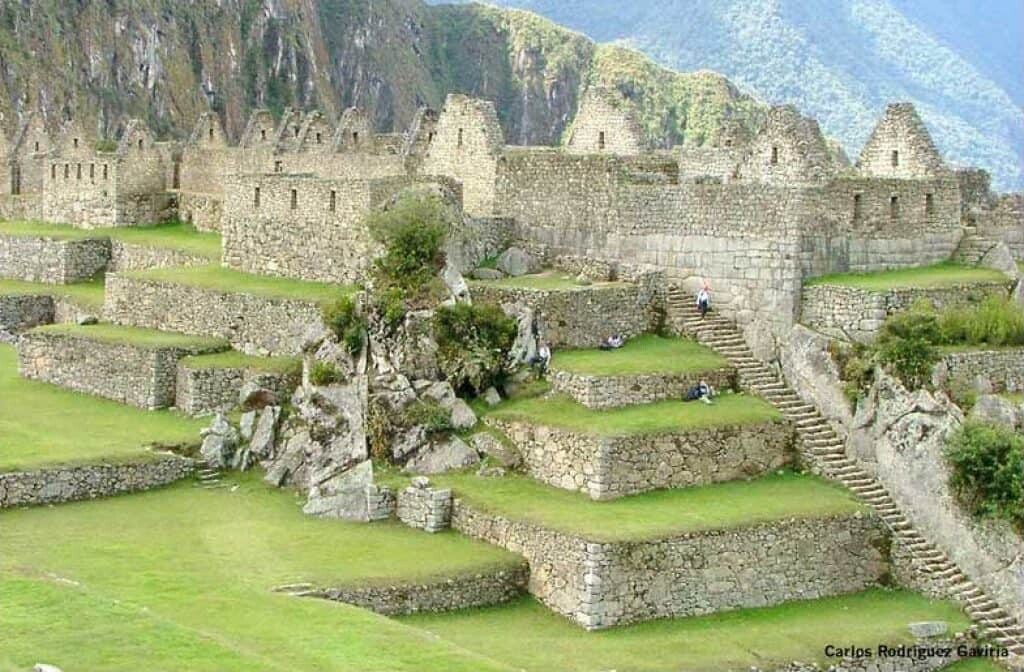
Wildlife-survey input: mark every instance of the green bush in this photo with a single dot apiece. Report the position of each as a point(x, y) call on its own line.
point(988, 471)
point(325, 373)
point(430, 414)
point(412, 231)
point(343, 319)
point(389, 303)
point(995, 321)
point(473, 341)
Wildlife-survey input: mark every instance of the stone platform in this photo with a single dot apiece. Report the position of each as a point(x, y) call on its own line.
point(132, 366)
point(600, 583)
point(212, 383)
point(51, 260)
point(612, 391)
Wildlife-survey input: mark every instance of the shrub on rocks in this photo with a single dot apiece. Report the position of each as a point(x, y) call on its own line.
point(474, 342)
point(343, 319)
point(988, 471)
point(324, 373)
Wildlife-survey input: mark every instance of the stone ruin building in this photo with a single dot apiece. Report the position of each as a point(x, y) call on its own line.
point(755, 214)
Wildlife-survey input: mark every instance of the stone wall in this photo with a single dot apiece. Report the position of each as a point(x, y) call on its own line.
point(130, 374)
point(256, 325)
point(613, 391)
point(611, 467)
point(202, 391)
point(203, 211)
point(482, 589)
point(24, 207)
point(582, 317)
point(1003, 368)
point(425, 508)
point(52, 261)
point(127, 257)
point(21, 312)
point(603, 584)
point(71, 483)
point(605, 122)
point(900, 147)
point(857, 314)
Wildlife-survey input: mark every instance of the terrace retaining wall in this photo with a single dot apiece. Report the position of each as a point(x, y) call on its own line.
point(1004, 369)
point(857, 314)
point(254, 324)
point(595, 391)
point(611, 467)
point(90, 481)
point(129, 257)
point(604, 584)
point(56, 262)
point(202, 391)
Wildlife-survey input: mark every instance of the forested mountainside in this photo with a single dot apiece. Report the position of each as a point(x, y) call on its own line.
point(165, 61)
point(958, 61)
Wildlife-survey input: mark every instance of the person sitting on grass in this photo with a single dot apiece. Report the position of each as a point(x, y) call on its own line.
point(701, 391)
point(613, 342)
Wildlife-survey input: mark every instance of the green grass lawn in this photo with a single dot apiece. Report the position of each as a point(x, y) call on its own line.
point(946, 274)
point(142, 338)
point(975, 665)
point(529, 637)
point(233, 359)
point(181, 579)
point(226, 280)
point(657, 418)
point(43, 425)
point(643, 354)
point(658, 513)
point(87, 295)
point(546, 281)
point(173, 235)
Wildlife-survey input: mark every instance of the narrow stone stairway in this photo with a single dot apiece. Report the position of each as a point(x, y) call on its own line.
point(973, 247)
point(209, 478)
point(825, 452)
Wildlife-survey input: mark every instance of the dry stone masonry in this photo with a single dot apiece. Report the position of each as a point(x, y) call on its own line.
point(57, 262)
point(598, 391)
point(424, 507)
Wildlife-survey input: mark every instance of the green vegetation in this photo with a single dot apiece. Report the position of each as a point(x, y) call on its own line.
point(659, 513)
point(988, 471)
point(473, 344)
point(342, 317)
point(325, 373)
point(975, 665)
point(135, 336)
point(548, 281)
point(233, 359)
point(429, 414)
point(529, 637)
point(43, 425)
point(226, 280)
point(86, 295)
point(945, 274)
point(182, 578)
point(660, 417)
point(172, 235)
point(640, 355)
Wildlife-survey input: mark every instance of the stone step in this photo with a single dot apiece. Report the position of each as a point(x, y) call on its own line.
point(133, 366)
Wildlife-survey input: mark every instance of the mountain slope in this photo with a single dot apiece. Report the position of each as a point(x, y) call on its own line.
point(838, 60)
point(166, 61)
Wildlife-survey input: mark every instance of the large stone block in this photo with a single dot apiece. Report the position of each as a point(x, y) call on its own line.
point(57, 262)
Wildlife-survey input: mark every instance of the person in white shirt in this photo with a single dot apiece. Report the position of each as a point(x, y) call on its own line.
point(704, 300)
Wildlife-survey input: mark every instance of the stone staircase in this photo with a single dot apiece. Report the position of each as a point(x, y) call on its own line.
point(973, 247)
point(208, 478)
point(825, 452)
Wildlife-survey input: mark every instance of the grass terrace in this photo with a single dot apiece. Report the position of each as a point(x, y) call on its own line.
point(44, 425)
point(233, 359)
point(220, 279)
point(142, 338)
point(173, 235)
point(946, 274)
point(181, 578)
point(87, 295)
point(529, 637)
point(657, 418)
point(643, 354)
point(659, 513)
point(546, 281)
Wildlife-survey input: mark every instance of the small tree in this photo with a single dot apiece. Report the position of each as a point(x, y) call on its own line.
point(474, 341)
point(412, 231)
point(988, 471)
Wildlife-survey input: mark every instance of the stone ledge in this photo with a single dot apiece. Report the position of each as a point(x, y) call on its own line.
point(58, 484)
point(52, 261)
point(131, 257)
point(203, 391)
point(603, 584)
point(252, 323)
point(594, 391)
point(125, 372)
point(610, 467)
point(467, 591)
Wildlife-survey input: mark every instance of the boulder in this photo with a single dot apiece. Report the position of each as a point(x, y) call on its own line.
point(487, 444)
point(45, 667)
point(247, 425)
point(455, 283)
point(995, 409)
point(220, 440)
point(1001, 259)
point(441, 392)
point(462, 416)
point(582, 279)
point(487, 274)
point(289, 462)
point(453, 453)
point(407, 441)
point(809, 368)
point(253, 397)
point(524, 348)
point(84, 319)
point(343, 496)
point(515, 262)
point(492, 397)
point(264, 435)
point(926, 629)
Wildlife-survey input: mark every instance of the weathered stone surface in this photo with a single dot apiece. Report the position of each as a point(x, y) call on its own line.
point(455, 283)
point(200, 391)
point(247, 424)
point(57, 262)
point(407, 441)
point(451, 453)
point(809, 368)
point(462, 415)
point(487, 274)
point(996, 409)
point(487, 444)
point(515, 262)
point(220, 440)
point(492, 397)
point(424, 507)
point(923, 629)
point(629, 390)
point(1000, 370)
point(265, 433)
point(350, 495)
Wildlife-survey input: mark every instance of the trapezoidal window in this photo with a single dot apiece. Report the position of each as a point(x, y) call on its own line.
point(775, 156)
point(929, 205)
point(263, 134)
point(211, 133)
point(319, 138)
point(460, 138)
point(295, 198)
point(600, 139)
point(67, 171)
point(53, 171)
point(894, 207)
point(15, 180)
point(895, 159)
point(78, 172)
point(256, 197)
point(355, 137)
point(858, 207)
point(140, 145)
point(332, 205)
point(37, 145)
point(74, 143)
point(296, 131)
point(92, 171)
point(104, 171)
point(277, 167)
